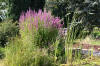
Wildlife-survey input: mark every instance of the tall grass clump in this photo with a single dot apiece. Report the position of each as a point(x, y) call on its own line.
point(39, 28)
point(17, 54)
point(72, 31)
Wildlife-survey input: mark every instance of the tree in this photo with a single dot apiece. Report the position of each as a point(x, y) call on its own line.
point(90, 9)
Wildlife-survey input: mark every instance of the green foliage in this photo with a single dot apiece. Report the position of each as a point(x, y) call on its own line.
point(3, 10)
point(89, 9)
point(2, 50)
point(16, 7)
point(43, 37)
point(48, 36)
point(2, 0)
point(72, 31)
point(96, 33)
point(19, 54)
point(7, 29)
point(58, 8)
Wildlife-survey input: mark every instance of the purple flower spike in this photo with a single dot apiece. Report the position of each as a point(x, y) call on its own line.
point(33, 18)
point(22, 17)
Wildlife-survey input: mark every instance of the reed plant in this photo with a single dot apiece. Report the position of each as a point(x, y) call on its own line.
point(72, 30)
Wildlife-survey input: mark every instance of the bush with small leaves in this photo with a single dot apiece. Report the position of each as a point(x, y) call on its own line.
point(7, 30)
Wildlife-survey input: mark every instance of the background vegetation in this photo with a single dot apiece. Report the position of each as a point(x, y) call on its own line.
point(44, 32)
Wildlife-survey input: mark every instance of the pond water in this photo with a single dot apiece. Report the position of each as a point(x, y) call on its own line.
point(90, 52)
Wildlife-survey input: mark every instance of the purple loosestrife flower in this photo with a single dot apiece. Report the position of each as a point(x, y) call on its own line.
point(29, 14)
point(22, 17)
point(43, 17)
point(35, 22)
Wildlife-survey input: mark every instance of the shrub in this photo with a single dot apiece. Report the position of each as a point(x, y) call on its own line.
point(7, 30)
point(19, 54)
point(40, 28)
